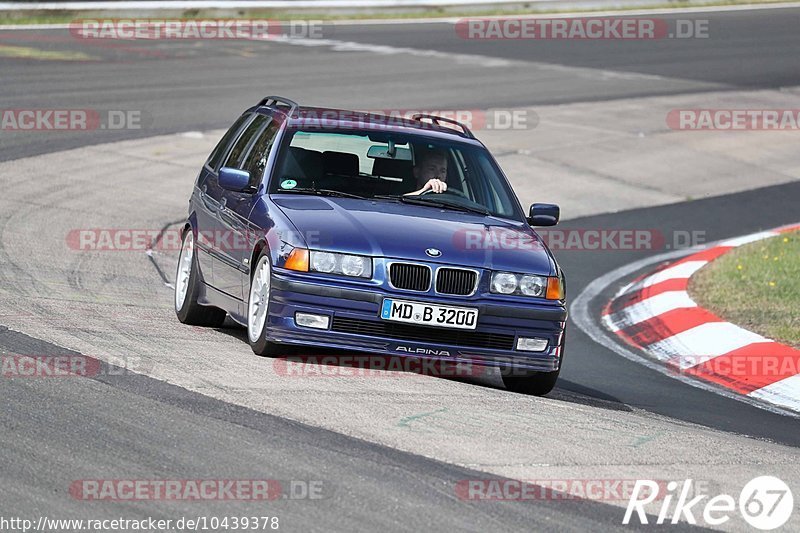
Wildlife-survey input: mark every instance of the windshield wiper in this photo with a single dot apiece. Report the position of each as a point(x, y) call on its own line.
point(386, 197)
point(416, 200)
point(323, 192)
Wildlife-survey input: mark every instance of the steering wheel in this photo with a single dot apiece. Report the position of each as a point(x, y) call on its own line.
point(454, 192)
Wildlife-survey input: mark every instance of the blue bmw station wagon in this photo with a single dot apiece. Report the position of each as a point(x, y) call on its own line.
point(359, 231)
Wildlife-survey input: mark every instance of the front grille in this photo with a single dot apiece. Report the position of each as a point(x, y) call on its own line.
point(410, 277)
point(451, 337)
point(456, 281)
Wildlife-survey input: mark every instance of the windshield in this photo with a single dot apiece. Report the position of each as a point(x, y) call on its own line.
point(389, 166)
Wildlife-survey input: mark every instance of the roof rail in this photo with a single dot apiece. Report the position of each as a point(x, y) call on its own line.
point(435, 119)
point(277, 102)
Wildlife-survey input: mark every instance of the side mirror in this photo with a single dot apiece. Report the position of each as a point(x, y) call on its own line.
point(544, 215)
point(234, 179)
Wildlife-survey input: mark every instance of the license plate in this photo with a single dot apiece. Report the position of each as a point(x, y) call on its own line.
point(429, 315)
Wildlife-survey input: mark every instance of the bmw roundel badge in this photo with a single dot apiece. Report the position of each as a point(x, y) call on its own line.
point(433, 252)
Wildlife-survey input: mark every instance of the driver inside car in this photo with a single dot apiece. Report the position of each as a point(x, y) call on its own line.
point(430, 172)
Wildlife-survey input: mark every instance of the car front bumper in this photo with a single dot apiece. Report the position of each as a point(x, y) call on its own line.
point(355, 325)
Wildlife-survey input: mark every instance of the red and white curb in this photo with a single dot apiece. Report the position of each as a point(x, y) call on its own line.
point(656, 314)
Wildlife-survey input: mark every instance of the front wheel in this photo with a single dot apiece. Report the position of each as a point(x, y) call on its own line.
point(187, 289)
point(535, 383)
point(258, 309)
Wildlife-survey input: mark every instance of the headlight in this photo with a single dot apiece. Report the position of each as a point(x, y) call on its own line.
point(353, 265)
point(527, 285)
point(323, 262)
point(533, 285)
point(347, 265)
point(504, 283)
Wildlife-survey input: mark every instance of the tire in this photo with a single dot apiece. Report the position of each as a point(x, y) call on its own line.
point(187, 288)
point(535, 383)
point(258, 310)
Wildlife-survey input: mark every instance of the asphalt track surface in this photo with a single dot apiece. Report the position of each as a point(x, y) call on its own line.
point(50, 429)
point(129, 426)
point(189, 85)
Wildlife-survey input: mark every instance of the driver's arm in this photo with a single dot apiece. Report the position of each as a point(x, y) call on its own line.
point(434, 185)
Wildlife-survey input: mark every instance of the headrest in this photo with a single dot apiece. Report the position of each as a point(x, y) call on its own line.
point(340, 163)
point(302, 163)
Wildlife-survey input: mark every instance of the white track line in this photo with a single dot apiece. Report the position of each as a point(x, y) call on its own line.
point(352, 46)
point(463, 59)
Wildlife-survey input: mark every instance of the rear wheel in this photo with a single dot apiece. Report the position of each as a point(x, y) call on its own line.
point(187, 289)
point(258, 309)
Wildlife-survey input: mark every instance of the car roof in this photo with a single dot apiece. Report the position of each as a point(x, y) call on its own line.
point(332, 118)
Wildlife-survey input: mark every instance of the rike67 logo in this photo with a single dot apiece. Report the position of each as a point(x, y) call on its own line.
point(765, 503)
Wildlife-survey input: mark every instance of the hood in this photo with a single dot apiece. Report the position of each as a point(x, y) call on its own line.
point(403, 231)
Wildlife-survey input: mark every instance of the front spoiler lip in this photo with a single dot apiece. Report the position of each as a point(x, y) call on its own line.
point(382, 346)
point(280, 283)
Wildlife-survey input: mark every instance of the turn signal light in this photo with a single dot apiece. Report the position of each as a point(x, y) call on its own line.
point(555, 289)
point(297, 260)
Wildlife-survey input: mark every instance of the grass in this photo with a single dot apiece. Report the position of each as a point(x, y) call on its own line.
point(756, 286)
point(20, 18)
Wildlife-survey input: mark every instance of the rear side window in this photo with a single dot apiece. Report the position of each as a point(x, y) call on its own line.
point(219, 151)
point(239, 150)
point(256, 160)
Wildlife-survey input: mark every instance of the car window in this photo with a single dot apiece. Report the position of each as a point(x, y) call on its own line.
point(256, 160)
point(491, 194)
point(459, 170)
point(239, 150)
point(222, 146)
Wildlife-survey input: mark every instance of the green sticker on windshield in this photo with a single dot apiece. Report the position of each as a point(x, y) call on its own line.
point(288, 184)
